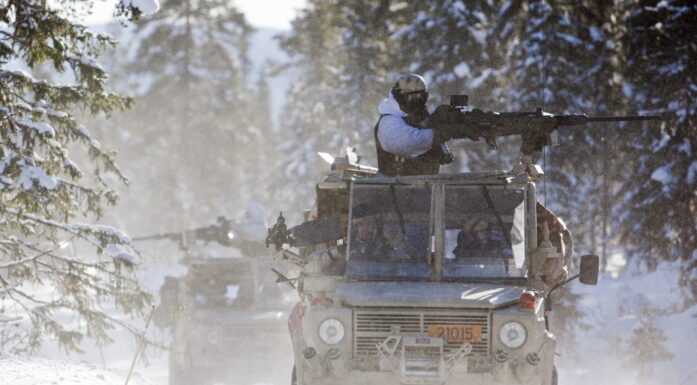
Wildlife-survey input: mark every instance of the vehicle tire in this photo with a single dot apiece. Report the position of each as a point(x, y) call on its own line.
point(555, 376)
point(293, 377)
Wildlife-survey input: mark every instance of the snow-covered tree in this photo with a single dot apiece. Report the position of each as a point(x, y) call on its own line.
point(195, 123)
point(661, 218)
point(46, 204)
point(645, 347)
point(340, 51)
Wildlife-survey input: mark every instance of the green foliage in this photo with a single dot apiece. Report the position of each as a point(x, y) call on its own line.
point(42, 191)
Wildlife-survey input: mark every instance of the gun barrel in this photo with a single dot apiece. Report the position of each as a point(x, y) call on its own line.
point(157, 236)
point(630, 118)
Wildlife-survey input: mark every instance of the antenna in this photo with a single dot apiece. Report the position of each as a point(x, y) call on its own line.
point(542, 101)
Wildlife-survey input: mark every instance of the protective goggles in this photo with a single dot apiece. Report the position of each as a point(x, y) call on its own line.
point(416, 96)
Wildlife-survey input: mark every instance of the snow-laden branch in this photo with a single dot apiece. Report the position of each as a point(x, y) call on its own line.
point(34, 257)
point(118, 234)
point(11, 287)
point(79, 229)
point(18, 262)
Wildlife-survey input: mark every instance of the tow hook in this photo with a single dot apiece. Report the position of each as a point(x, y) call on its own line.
point(334, 365)
point(526, 369)
point(502, 368)
point(533, 359)
point(501, 356)
point(313, 363)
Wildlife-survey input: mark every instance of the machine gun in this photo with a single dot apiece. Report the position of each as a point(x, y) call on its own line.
point(306, 234)
point(220, 232)
point(536, 128)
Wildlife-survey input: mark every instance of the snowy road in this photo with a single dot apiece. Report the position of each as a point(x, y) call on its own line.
point(16, 370)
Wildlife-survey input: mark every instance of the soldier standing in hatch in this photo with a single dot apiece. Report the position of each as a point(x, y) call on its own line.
point(405, 143)
point(249, 235)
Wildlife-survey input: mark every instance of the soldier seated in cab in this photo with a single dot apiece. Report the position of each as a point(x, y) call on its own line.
point(478, 239)
point(372, 239)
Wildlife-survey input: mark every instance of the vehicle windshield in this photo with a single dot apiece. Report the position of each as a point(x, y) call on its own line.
point(392, 228)
point(484, 233)
point(389, 234)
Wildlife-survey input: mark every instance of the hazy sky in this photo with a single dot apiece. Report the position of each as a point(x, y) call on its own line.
point(260, 13)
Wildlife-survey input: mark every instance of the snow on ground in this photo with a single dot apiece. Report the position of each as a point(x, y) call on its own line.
point(22, 370)
point(118, 356)
point(615, 310)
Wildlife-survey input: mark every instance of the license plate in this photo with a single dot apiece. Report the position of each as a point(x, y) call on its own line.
point(456, 333)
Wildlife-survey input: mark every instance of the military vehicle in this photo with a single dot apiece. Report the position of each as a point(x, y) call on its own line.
point(434, 279)
point(427, 279)
point(226, 313)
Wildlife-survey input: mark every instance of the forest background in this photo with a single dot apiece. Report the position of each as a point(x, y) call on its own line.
point(204, 138)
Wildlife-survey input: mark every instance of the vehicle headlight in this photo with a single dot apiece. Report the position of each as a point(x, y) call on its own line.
point(513, 335)
point(331, 331)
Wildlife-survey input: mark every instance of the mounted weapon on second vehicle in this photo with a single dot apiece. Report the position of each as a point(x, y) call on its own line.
point(248, 237)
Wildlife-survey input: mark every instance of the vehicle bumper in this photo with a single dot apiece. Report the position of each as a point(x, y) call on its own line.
point(386, 378)
point(501, 369)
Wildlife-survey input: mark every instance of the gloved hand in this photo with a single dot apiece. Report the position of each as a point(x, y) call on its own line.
point(443, 126)
point(443, 114)
point(444, 132)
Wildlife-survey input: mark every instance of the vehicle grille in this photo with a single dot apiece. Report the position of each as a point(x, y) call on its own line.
point(371, 326)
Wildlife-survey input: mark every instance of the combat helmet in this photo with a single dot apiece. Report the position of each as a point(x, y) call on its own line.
point(410, 92)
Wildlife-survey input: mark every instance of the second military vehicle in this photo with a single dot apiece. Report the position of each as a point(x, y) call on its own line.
point(226, 314)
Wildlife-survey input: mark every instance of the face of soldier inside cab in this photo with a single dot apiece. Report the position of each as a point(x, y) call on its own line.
point(479, 231)
point(480, 235)
point(364, 228)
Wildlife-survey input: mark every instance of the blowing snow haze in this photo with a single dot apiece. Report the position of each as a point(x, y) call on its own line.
point(175, 125)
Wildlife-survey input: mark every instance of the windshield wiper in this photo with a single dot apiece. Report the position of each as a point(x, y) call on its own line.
point(398, 211)
point(490, 202)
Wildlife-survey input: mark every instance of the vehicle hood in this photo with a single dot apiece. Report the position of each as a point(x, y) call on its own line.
point(427, 294)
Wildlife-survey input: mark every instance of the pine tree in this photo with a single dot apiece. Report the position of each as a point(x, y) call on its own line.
point(661, 213)
point(340, 50)
point(195, 122)
point(308, 125)
point(43, 195)
point(367, 70)
point(644, 348)
point(583, 74)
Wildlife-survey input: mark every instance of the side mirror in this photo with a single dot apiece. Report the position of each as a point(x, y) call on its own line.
point(589, 269)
